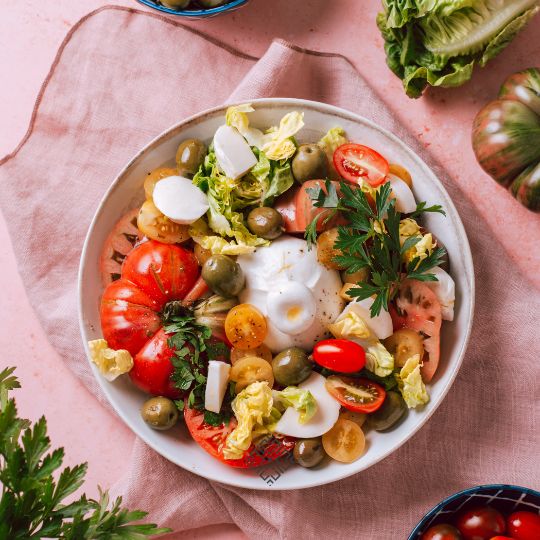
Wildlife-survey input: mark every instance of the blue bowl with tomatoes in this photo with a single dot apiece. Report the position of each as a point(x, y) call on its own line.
point(489, 512)
point(194, 9)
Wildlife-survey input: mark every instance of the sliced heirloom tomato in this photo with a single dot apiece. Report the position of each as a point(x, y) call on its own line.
point(297, 210)
point(419, 309)
point(152, 275)
point(213, 439)
point(356, 161)
point(358, 395)
point(121, 240)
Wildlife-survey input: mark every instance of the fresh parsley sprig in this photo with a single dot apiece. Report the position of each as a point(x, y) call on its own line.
point(31, 503)
point(371, 240)
point(189, 339)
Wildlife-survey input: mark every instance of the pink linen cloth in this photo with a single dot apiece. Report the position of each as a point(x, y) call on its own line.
point(120, 78)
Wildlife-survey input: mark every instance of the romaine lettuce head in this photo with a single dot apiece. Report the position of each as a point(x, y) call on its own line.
point(410, 383)
point(438, 42)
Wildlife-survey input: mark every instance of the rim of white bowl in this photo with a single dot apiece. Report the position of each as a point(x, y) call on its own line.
point(452, 213)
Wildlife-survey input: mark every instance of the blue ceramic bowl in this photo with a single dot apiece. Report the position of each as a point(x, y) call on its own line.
point(196, 12)
point(502, 497)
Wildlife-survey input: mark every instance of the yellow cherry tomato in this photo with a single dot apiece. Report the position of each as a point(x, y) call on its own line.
point(245, 327)
point(152, 223)
point(262, 351)
point(345, 442)
point(154, 177)
point(401, 172)
point(249, 370)
point(356, 417)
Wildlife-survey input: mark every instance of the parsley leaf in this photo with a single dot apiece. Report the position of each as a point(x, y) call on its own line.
point(32, 495)
point(421, 208)
point(371, 240)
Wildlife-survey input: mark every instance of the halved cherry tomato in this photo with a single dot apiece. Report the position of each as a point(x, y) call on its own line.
point(419, 309)
point(442, 531)
point(345, 442)
point(249, 370)
point(297, 210)
point(359, 395)
point(354, 161)
point(121, 240)
point(213, 439)
point(524, 525)
point(152, 367)
point(342, 355)
point(480, 523)
point(152, 275)
point(245, 327)
point(153, 177)
point(155, 225)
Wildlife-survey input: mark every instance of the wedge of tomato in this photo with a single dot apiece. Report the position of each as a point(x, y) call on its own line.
point(358, 395)
point(297, 210)
point(121, 240)
point(152, 275)
point(418, 308)
point(212, 439)
point(355, 162)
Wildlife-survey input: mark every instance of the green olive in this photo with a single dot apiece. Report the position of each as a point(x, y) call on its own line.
point(291, 366)
point(309, 163)
point(308, 452)
point(390, 412)
point(265, 222)
point(159, 413)
point(223, 275)
point(190, 155)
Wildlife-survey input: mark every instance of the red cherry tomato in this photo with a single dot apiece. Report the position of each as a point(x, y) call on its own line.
point(355, 161)
point(442, 531)
point(481, 523)
point(297, 210)
point(213, 438)
point(358, 395)
point(341, 355)
point(501, 538)
point(524, 525)
point(152, 367)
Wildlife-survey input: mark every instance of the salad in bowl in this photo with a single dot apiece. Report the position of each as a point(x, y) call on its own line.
point(278, 293)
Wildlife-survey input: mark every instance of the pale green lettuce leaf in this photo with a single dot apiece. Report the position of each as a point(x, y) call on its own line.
point(301, 400)
point(410, 383)
point(252, 408)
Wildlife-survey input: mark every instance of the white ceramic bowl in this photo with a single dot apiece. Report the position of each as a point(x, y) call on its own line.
point(126, 192)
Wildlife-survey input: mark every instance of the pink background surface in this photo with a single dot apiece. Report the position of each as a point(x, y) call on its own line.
point(30, 35)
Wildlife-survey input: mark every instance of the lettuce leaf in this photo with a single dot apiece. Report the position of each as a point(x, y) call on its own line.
point(438, 42)
point(410, 383)
point(302, 401)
